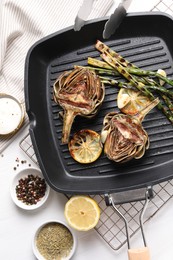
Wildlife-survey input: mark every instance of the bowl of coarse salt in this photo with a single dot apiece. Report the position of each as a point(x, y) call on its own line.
point(11, 114)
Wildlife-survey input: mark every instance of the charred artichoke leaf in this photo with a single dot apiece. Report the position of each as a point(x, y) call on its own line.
point(78, 92)
point(124, 137)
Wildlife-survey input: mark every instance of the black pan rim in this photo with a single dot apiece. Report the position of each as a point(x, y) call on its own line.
point(74, 187)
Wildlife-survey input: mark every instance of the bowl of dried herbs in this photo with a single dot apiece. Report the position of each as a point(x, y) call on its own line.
point(54, 240)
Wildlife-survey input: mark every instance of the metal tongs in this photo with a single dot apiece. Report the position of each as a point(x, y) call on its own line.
point(130, 196)
point(113, 22)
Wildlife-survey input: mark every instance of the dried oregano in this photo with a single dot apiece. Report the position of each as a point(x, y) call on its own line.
point(54, 241)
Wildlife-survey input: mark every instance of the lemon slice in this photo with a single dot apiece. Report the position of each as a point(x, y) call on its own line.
point(131, 102)
point(85, 146)
point(82, 213)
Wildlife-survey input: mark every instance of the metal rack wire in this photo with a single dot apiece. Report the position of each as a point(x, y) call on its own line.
point(164, 6)
point(111, 227)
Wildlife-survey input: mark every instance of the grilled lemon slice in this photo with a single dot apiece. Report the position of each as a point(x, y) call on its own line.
point(131, 102)
point(85, 146)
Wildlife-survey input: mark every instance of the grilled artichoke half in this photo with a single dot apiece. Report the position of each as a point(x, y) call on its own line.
point(78, 92)
point(124, 137)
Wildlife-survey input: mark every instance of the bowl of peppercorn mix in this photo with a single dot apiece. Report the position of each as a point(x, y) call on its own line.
point(29, 189)
point(53, 239)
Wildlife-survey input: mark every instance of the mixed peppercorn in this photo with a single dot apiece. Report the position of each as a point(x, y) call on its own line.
point(31, 189)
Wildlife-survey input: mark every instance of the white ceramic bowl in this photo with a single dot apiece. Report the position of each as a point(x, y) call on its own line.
point(11, 114)
point(22, 174)
point(34, 246)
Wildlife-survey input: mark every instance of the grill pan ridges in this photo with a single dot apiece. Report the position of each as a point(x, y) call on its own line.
point(145, 46)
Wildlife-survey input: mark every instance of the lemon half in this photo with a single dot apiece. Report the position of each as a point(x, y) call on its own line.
point(131, 102)
point(85, 146)
point(82, 213)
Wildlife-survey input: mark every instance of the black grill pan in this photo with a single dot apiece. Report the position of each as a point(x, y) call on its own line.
point(145, 39)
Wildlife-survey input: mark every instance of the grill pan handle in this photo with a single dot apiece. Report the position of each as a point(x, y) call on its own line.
point(137, 253)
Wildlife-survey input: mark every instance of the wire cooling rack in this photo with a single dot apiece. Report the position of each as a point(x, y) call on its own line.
point(164, 6)
point(111, 227)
